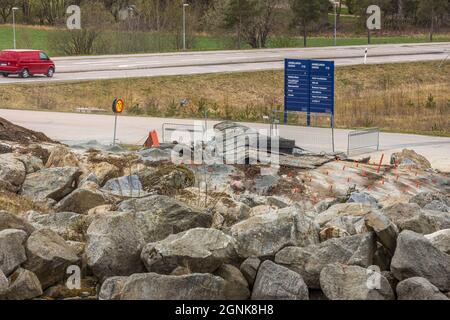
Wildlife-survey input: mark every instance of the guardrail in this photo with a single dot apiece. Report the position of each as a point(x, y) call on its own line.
point(363, 139)
point(90, 110)
point(316, 137)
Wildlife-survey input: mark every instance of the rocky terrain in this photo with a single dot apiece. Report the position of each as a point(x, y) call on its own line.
point(139, 227)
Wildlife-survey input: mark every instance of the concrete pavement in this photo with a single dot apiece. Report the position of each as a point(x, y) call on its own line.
point(70, 127)
point(150, 65)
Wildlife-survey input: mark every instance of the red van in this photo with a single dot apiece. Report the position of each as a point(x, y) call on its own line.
point(26, 63)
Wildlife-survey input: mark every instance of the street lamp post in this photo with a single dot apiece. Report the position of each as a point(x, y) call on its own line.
point(131, 10)
point(185, 5)
point(14, 24)
point(335, 4)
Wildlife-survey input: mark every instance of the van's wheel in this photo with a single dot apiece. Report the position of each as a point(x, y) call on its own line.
point(25, 73)
point(5, 75)
point(50, 72)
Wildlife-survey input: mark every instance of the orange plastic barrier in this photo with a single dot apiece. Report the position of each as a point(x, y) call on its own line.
point(152, 140)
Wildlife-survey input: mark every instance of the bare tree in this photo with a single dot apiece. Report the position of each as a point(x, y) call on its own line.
point(95, 20)
point(6, 8)
point(51, 11)
point(253, 20)
point(434, 11)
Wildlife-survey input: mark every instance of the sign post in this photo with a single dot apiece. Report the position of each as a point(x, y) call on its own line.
point(373, 21)
point(117, 108)
point(309, 87)
point(332, 132)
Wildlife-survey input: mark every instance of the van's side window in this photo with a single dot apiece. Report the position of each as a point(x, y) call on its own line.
point(43, 56)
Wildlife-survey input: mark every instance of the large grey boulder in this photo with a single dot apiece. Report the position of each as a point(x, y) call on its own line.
point(12, 250)
point(338, 226)
point(68, 225)
point(385, 230)
point(32, 164)
point(249, 269)
point(409, 216)
point(232, 211)
point(232, 274)
point(362, 197)
point(436, 205)
point(390, 277)
point(77, 246)
point(265, 235)
point(353, 209)
point(275, 282)
point(342, 282)
point(152, 286)
point(441, 240)
point(11, 221)
point(199, 250)
point(166, 179)
point(325, 204)
point(5, 148)
point(252, 200)
point(415, 256)
point(12, 172)
point(382, 258)
point(364, 254)
point(4, 283)
point(160, 216)
point(126, 186)
point(104, 172)
point(417, 288)
point(432, 201)
point(154, 202)
point(262, 209)
point(309, 261)
point(111, 288)
point(49, 256)
point(155, 155)
point(61, 156)
point(114, 245)
point(277, 201)
point(158, 225)
point(36, 150)
point(82, 200)
point(409, 158)
point(53, 183)
point(24, 285)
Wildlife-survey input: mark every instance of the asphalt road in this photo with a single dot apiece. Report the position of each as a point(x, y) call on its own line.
point(71, 128)
point(150, 65)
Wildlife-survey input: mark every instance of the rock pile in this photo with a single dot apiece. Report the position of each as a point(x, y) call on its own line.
point(178, 241)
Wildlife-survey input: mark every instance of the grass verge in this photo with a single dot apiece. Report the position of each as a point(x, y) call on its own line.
point(46, 38)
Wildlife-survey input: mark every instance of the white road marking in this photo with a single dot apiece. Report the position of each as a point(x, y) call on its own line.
point(150, 65)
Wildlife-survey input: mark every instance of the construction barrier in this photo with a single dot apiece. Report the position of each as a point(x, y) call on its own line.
point(363, 140)
point(184, 132)
point(316, 138)
point(152, 140)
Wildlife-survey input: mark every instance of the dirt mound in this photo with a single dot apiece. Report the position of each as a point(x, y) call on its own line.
point(14, 133)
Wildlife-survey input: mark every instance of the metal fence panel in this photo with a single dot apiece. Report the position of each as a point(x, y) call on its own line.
point(317, 138)
point(184, 133)
point(363, 140)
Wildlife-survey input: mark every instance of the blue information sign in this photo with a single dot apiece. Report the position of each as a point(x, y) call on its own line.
point(309, 86)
